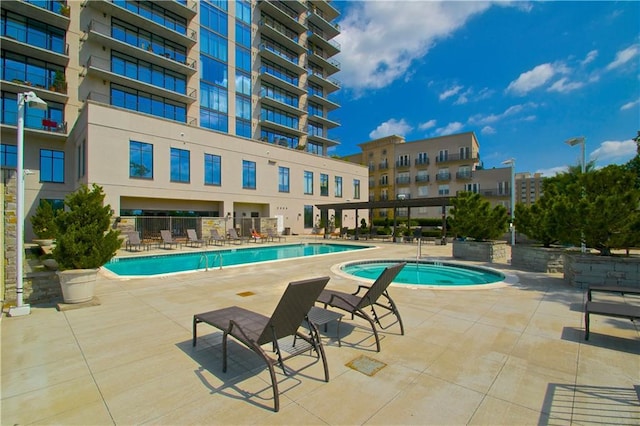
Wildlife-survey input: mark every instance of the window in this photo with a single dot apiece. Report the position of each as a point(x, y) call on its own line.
point(283, 179)
point(403, 160)
point(51, 166)
point(465, 153)
point(443, 189)
point(356, 189)
point(384, 180)
point(212, 169)
point(140, 160)
point(423, 191)
point(422, 158)
point(324, 185)
point(179, 165)
point(8, 156)
point(503, 188)
point(243, 11)
point(338, 189)
point(248, 174)
point(472, 187)
point(443, 155)
point(82, 148)
point(308, 183)
point(308, 216)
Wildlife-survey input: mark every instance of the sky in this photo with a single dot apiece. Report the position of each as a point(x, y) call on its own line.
point(523, 76)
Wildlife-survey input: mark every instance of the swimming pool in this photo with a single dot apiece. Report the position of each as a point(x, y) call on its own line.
point(145, 266)
point(429, 273)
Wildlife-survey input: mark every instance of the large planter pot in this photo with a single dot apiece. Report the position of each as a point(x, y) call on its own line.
point(77, 284)
point(480, 251)
point(537, 258)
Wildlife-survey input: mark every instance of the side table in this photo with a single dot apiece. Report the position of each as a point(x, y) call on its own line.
point(320, 316)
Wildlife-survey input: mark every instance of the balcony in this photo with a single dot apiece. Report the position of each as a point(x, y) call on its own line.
point(290, 108)
point(46, 87)
point(319, 77)
point(101, 33)
point(323, 60)
point(186, 8)
point(403, 180)
point(50, 50)
point(422, 178)
point(331, 47)
point(271, 53)
point(267, 77)
point(464, 175)
point(101, 68)
point(52, 14)
point(440, 177)
point(286, 12)
point(494, 192)
point(421, 161)
point(326, 141)
point(383, 166)
point(403, 164)
point(456, 157)
point(321, 19)
point(324, 121)
point(326, 103)
point(35, 123)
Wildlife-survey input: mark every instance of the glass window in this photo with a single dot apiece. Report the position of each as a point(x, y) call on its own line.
point(214, 71)
point(140, 160)
point(243, 59)
point(212, 169)
point(308, 216)
point(338, 189)
point(243, 107)
point(243, 83)
point(356, 189)
point(8, 155)
point(283, 179)
point(308, 182)
point(248, 174)
point(51, 166)
point(243, 128)
point(243, 11)
point(213, 44)
point(243, 34)
point(324, 185)
point(179, 165)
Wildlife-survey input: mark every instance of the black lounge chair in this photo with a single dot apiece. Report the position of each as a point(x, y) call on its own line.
point(356, 305)
point(610, 309)
point(233, 236)
point(254, 330)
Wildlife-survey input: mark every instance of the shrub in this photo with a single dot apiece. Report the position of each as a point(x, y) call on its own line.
point(84, 239)
point(473, 217)
point(43, 221)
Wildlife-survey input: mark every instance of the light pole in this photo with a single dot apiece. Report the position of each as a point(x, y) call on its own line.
point(512, 162)
point(583, 142)
point(33, 101)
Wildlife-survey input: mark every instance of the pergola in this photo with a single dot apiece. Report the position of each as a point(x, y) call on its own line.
point(387, 204)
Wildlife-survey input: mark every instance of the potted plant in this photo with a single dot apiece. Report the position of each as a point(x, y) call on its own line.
point(59, 82)
point(43, 224)
point(65, 10)
point(84, 242)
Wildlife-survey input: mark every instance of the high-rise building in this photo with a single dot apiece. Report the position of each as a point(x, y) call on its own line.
point(434, 167)
point(209, 107)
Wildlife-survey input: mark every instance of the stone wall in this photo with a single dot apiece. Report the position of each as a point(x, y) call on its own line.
point(481, 251)
point(9, 235)
point(581, 271)
point(537, 259)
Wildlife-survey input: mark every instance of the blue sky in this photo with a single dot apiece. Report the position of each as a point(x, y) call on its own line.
point(524, 76)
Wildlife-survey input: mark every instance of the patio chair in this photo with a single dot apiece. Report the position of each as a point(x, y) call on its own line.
point(611, 309)
point(272, 235)
point(257, 237)
point(167, 239)
point(355, 305)
point(233, 236)
point(255, 330)
point(216, 238)
point(133, 240)
point(192, 238)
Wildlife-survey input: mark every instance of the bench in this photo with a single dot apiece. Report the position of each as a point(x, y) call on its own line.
point(611, 309)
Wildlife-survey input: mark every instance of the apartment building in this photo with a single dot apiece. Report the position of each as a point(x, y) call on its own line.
point(528, 187)
point(209, 108)
point(434, 167)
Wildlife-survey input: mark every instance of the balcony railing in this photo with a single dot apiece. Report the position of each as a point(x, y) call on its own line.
point(403, 164)
point(422, 178)
point(38, 80)
point(443, 176)
point(403, 180)
point(35, 122)
point(383, 166)
point(455, 157)
point(421, 161)
point(463, 175)
point(290, 58)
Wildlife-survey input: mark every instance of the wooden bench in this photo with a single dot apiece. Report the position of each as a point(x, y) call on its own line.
point(611, 309)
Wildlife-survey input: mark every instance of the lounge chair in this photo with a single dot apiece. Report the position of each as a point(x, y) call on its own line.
point(257, 237)
point(192, 238)
point(272, 235)
point(255, 330)
point(233, 236)
point(356, 305)
point(167, 240)
point(133, 240)
point(610, 309)
point(216, 238)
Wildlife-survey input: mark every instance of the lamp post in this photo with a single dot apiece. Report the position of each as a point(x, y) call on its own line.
point(583, 142)
point(33, 101)
point(512, 162)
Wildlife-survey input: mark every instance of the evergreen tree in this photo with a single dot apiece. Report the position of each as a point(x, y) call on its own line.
point(473, 217)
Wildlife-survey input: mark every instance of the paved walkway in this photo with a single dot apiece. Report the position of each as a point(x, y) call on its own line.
point(510, 355)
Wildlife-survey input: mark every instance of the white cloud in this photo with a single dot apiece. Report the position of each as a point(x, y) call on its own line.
point(427, 125)
point(532, 79)
point(449, 129)
point(614, 151)
point(391, 127)
point(449, 92)
point(381, 40)
point(565, 86)
point(624, 56)
point(629, 105)
point(591, 56)
point(488, 130)
point(552, 171)
point(514, 110)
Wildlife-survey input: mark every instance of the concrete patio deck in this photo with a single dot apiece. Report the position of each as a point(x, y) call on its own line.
point(510, 355)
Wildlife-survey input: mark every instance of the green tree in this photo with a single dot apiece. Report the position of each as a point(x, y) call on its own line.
point(84, 239)
point(43, 221)
point(473, 217)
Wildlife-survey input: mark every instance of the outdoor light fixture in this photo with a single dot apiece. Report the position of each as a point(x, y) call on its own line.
point(30, 99)
point(512, 162)
point(583, 142)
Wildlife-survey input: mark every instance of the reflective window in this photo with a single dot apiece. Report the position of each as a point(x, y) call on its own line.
point(140, 160)
point(212, 169)
point(248, 174)
point(180, 165)
point(308, 183)
point(8, 155)
point(283, 179)
point(51, 166)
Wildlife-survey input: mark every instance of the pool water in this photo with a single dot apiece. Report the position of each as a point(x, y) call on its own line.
point(191, 261)
point(427, 273)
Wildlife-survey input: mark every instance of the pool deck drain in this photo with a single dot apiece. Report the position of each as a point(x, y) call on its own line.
point(366, 365)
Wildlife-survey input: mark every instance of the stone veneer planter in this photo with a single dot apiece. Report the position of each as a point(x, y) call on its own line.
point(481, 251)
point(581, 271)
point(532, 258)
